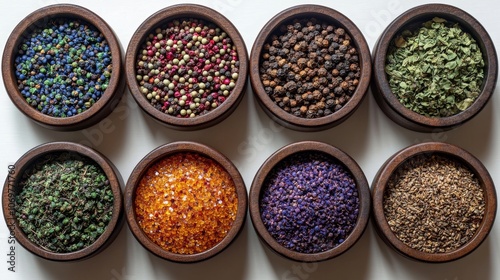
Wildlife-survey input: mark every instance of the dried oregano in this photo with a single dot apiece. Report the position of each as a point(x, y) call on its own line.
point(436, 71)
point(434, 204)
point(65, 202)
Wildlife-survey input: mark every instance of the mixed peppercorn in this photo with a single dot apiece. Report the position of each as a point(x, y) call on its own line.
point(187, 68)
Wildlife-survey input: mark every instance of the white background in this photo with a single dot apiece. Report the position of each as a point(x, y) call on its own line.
point(248, 137)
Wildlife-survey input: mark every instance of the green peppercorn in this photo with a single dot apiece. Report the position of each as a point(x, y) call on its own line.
point(63, 190)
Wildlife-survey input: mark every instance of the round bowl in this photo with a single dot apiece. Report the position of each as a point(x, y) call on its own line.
point(339, 157)
point(161, 19)
point(279, 114)
point(456, 154)
point(412, 20)
point(39, 19)
point(169, 150)
point(11, 189)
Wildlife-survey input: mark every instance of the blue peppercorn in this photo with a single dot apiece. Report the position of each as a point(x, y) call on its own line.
point(309, 203)
point(58, 60)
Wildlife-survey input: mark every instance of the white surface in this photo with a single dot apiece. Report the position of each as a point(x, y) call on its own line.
point(248, 137)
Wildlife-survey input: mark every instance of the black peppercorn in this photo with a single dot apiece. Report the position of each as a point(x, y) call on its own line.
point(310, 68)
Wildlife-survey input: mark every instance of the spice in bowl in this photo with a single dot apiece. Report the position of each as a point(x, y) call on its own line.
point(186, 203)
point(434, 204)
point(309, 203)
point(187, 67)
point(437, 70)
point(65, 202)
point(63, 67)
point(310, 68)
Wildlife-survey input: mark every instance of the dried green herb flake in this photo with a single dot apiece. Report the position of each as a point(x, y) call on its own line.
point(436, 71)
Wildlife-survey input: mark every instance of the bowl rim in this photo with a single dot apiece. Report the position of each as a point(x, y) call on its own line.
point(454, 153)
point(423, 13)
point(30, 157)
point(168, 150)
point(348, 162)
point(166, 15)
point(336, 18)
point(111, 95)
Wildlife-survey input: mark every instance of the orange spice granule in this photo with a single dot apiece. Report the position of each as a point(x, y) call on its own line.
point(186, 203)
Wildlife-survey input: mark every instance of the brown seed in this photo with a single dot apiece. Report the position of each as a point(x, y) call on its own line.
point(303, 109)
point(340, 31)
point(433, 204)
point(317, 95)
point(322, 71)
point(321, 105)
point(302, 63)
point(286, 100)
point(279, 90)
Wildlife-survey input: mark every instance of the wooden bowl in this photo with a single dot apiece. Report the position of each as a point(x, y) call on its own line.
point(258, 186)
point(163, 17)
point(271, 28)
point(383, 176)
point(11, 189)
point(111, 96)
point(411, 20)
point(168, 150)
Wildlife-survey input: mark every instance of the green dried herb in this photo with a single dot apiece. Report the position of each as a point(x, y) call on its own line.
point(436, 71)
point(65, 203)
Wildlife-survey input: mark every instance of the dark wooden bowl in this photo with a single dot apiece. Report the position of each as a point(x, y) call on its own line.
point(110, 97)
point(452, 152)
point(338, 20)
point(163, 17)
point(11, 188)
point(170, 149)
point(310, 146)
point(411, 20)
